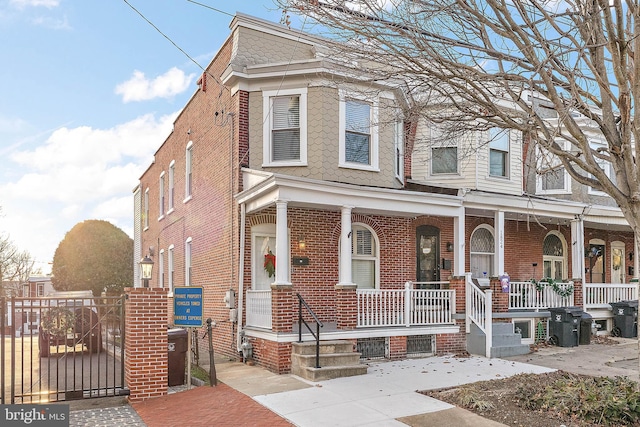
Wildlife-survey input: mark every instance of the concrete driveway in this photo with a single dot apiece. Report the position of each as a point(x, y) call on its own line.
point(608, 357)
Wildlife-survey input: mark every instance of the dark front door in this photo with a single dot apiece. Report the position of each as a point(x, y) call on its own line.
point(427, 253)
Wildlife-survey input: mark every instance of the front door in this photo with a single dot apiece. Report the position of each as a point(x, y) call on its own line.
point(596, 263)
point(427, 253)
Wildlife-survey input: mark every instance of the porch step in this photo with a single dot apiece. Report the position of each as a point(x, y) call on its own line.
point(505, 342)
point(337, 359)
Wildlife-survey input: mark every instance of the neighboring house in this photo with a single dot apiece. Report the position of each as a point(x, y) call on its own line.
point(286, 174)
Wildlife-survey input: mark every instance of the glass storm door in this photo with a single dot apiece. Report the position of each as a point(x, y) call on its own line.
point(428, 253)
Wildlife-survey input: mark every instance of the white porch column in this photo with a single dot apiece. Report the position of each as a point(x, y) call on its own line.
point(636, 259)
point(577, 249)
point(458, 245)
point(498, 262)
point(282, 245)
point(345, 246)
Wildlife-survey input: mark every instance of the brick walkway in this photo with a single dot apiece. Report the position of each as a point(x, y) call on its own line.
point(207, 406)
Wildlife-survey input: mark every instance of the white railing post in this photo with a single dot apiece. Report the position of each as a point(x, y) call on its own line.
point(467, 302)
point(407, 304)
point(488, 321)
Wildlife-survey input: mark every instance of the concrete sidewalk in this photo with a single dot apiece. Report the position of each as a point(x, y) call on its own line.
point(387, 394)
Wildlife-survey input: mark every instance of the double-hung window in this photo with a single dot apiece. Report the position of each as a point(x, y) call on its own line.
point(146, 208)
point(607, 167)
point(187, 263)
point(172, 171)
point(285, 127)
point(364, 257)
point(552, 176)
point(170, 268)
point(499, 152)
point(161, 196)
point(358, 133)
point(398, 140)
point(188, 174)
point(161, 269)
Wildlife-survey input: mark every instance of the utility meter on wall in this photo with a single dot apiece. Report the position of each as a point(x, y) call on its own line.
point(230, 299)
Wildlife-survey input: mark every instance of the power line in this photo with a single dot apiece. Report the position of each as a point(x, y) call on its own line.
point(212, 8)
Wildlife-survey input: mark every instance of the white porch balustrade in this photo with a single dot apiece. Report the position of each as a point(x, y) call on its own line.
point(599, 295)
point(525, 295)
point(259, 309)
point(405, 307)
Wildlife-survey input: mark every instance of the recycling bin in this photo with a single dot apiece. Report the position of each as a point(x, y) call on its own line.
point(564, 326)
point(177, 345)
point(625, 318)
point(586, 321)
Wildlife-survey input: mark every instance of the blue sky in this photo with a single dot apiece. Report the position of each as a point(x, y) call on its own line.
point(88, 92)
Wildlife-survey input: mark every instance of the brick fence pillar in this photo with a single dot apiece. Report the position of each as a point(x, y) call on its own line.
point(346, 306)
point(145, 347)
point(459, 284)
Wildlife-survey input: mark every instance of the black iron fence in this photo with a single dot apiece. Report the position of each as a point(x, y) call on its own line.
point(61, 348)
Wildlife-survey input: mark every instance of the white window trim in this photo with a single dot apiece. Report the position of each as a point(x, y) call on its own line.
point(266, 127)
point(508, 157)
point(565, 253)
point(188, 252)
point(146, 209)
point(161, 199)
point(567, 178)
point(398, 150)
point(445, 174)
point(375, 257)
point(161, 275)
point(493, 254)
point(170, 269)
point(342, 111)
point(171, 195)
point(532, 330)
point(608, 170)
point(188, 169)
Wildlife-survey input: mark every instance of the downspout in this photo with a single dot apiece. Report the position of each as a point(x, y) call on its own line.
point(241, 277)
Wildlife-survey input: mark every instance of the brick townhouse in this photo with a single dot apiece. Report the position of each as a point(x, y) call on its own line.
point(289, 177)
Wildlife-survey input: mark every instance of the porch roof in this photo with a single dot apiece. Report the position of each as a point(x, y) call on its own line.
point(263, 189)
point(544, 210)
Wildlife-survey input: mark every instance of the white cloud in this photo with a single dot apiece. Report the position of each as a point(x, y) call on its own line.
point(52, 23)
point(12, 124)
point(21, 4)
point(139, 88)
point(77, 174)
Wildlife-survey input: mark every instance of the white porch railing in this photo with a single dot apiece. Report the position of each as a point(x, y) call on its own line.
point(525, 295)
point(405, 307)
point(599, 295)
point(259, 309)
point(479, 306)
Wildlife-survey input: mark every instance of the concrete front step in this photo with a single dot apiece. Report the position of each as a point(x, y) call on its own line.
point(337, 359)
point(333, 346)
point(510, 350)
point(326, 359)
point(330, 372)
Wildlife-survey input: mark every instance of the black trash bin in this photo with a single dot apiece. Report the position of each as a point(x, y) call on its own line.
point(563, 326)
point(625, 318)
point(586, 321)
point(177, 347)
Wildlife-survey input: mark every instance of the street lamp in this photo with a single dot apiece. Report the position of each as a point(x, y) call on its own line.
point(146, 267)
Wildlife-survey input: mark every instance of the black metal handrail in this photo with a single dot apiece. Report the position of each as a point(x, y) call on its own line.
point(316, 335)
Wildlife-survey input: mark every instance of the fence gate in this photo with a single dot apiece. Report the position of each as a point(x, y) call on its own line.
point(56, 348)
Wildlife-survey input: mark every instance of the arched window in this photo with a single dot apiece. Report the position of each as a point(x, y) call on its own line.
point(481, 251)
point(364, 257)
point(553, 256)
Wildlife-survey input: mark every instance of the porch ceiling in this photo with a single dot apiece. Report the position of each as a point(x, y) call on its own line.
point(314, 194)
